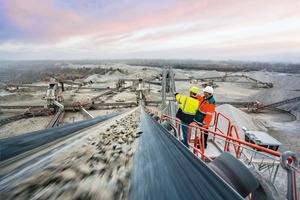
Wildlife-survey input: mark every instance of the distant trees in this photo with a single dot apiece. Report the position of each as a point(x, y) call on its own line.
point(232, 66)
point(24, 71)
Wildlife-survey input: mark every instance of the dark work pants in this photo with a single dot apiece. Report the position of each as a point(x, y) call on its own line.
point(205, 139)
point(185, 128)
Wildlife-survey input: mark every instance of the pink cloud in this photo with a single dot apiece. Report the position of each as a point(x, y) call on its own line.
point(114, 24)
point(59, 23)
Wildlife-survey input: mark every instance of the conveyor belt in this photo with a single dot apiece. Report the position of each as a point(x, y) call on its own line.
point(14, 146)
point(21, 107)
point(163, 168)
point(55, 120)
point(14, 118)
point(280, 103)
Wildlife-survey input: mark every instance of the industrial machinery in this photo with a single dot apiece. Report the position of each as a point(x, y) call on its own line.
point(211, 83)
point(165, 169)
point(257, 106)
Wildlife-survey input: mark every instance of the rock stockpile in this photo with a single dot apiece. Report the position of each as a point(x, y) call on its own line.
point(240, 119)
point(275, 95)
point(100, 168)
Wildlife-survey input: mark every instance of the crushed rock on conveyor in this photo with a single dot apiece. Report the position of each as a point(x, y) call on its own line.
point(100, 168)
point(240, 119)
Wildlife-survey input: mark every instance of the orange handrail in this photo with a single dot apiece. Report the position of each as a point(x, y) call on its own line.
point(177, 122)
point(229, 138)
point(238, 147)
point(218, 115)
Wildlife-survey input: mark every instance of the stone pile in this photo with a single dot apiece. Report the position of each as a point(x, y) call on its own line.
point(99, 169)
point(240, 119)
point(212, 73)
point(275, 95)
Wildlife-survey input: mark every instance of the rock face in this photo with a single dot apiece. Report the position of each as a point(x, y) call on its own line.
point(99, 169)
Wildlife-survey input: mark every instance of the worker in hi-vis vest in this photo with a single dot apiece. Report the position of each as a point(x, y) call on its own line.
point(206, 110)
point(187, 110)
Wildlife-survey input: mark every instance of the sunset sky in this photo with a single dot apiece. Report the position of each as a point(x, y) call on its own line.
point(264, 30)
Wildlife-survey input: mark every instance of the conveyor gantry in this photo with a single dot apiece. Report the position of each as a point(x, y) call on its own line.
point(166, 169)
point(280, 103)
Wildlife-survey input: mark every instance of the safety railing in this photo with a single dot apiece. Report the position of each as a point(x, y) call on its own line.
point(237, 142)
point(220, 116)
point(174, 120)
point(231, 138)
point(235, 146)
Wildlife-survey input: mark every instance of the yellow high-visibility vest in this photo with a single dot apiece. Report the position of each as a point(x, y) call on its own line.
point(189, 105)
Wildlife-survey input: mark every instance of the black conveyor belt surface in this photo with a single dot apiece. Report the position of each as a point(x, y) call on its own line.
point(14, 146)
point(163, 168)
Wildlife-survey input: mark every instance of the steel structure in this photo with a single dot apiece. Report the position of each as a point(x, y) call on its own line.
point(164, 168)
point(256, 83)
point(267, 160)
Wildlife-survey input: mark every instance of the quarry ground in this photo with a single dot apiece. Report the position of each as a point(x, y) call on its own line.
point(283, 126)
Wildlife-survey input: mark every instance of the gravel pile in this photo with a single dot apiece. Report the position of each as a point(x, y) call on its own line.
point(279, 81)
point(240, 119)
point(262, 76)
point(94, 78)
point(23, 126)
point(16, 97)
point(221, 98)
point(99, 169)
point(288, 81)
point(213, 73)
point(242, 80)
point(274, 95)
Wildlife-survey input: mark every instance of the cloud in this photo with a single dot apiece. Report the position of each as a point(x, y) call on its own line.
point(132, 27)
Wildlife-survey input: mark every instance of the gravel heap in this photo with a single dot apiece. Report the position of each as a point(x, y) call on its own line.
point(289, 81)
point(99, 169)
point(221, 98)
point(108, 77)
point(2, 85)
point(16, 97)
point(239, 119)
point(242, 80)
point(286, 81)
point(95, 78)
point(262, 76)
point(212, 73)
point(274, 95)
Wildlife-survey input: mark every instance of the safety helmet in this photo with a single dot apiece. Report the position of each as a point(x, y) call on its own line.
point(208, 89)
point(194, 90)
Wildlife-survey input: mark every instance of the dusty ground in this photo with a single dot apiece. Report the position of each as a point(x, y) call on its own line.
point(282, 126)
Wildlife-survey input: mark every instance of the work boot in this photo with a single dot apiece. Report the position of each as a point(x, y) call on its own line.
point(198, 146)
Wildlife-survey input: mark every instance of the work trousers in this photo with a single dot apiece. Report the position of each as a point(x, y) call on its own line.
point(185, 127)
point(205, 139)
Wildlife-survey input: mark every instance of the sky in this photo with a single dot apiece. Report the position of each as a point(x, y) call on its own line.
point(250, 30)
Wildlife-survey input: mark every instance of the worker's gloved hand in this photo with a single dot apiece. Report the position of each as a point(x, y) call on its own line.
point(175, 93)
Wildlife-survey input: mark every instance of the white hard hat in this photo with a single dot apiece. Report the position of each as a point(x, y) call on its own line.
point(208, 89)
